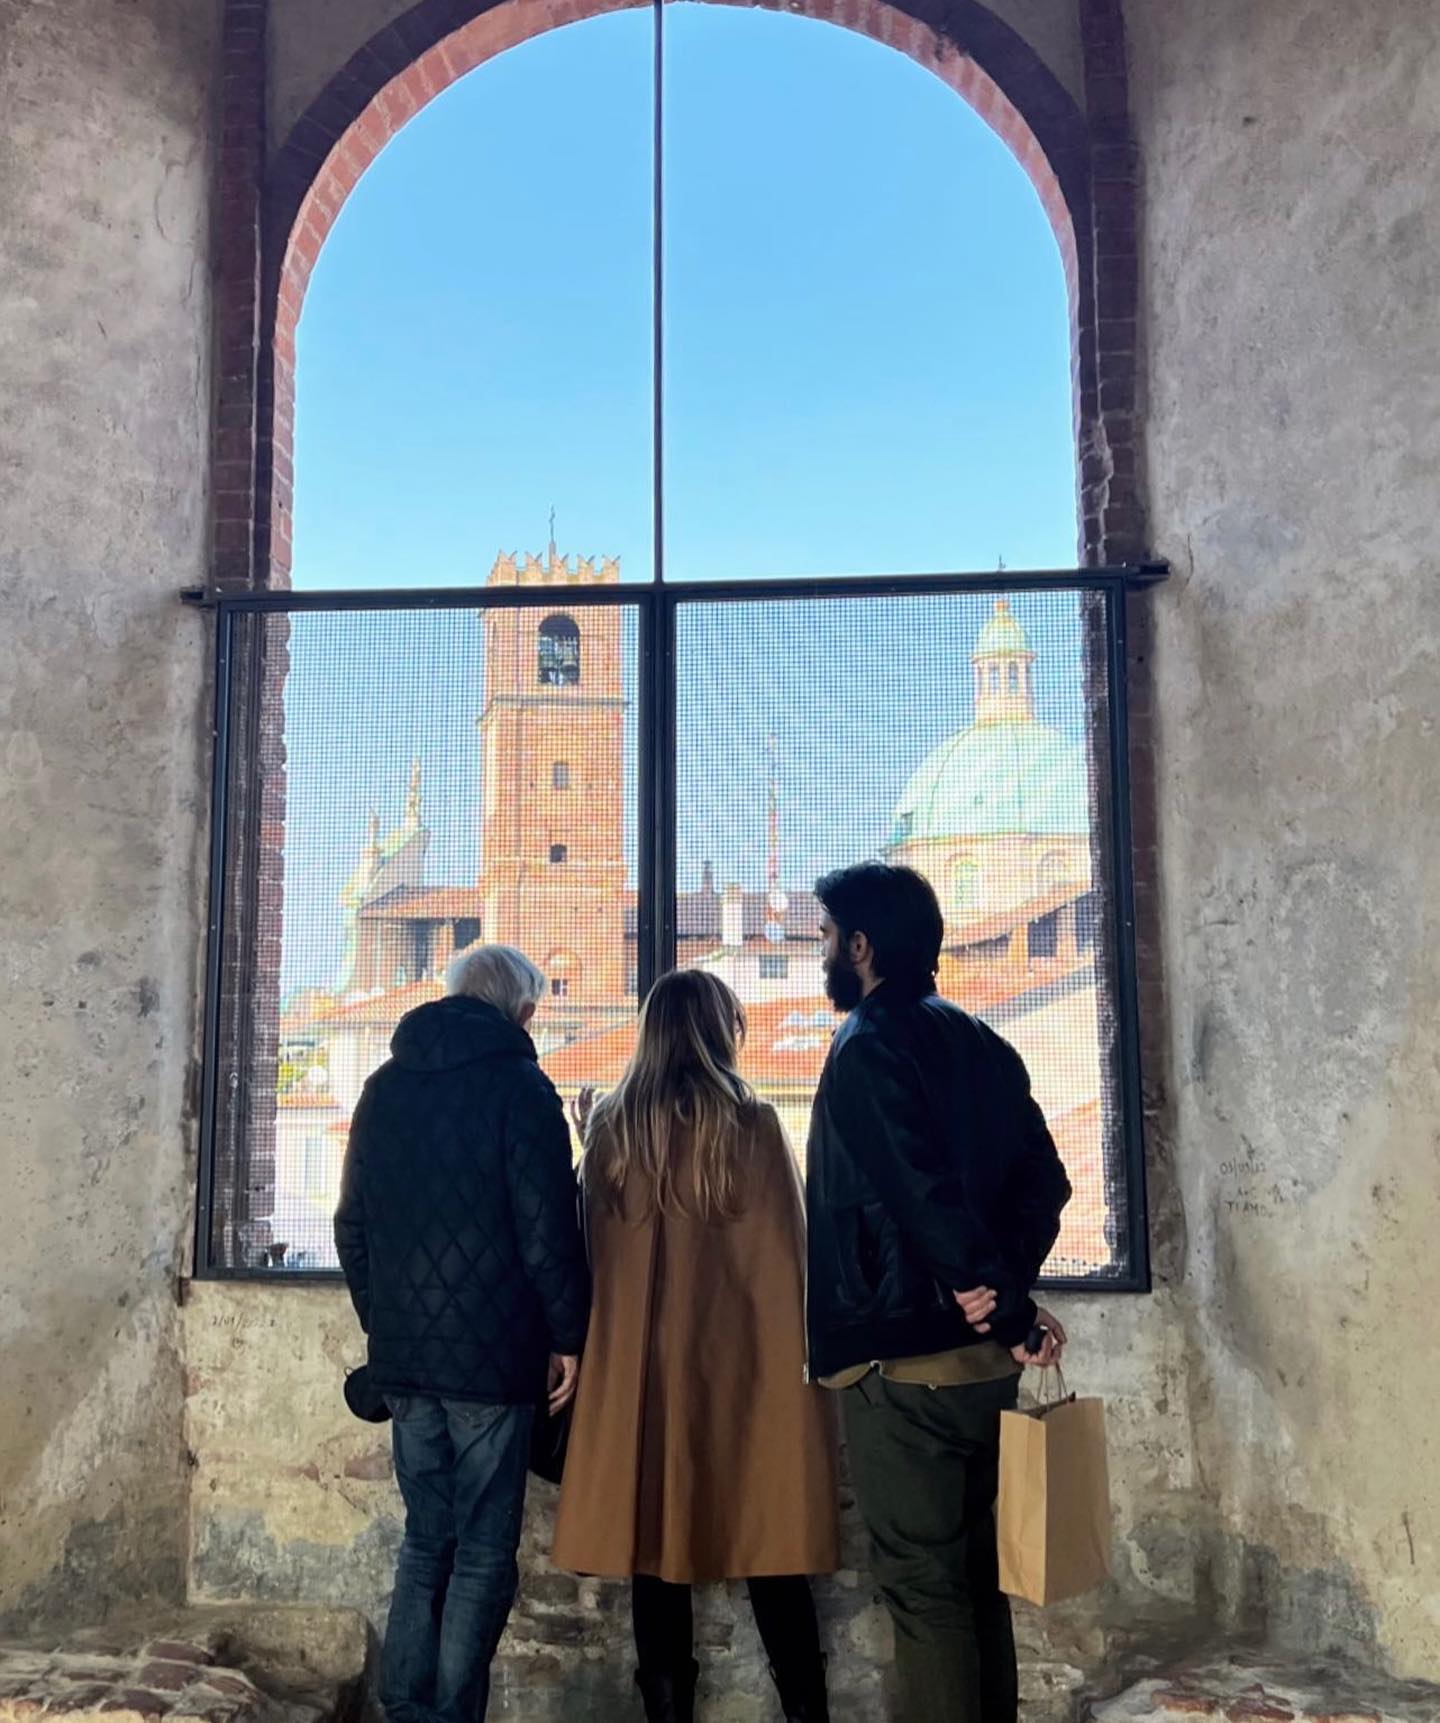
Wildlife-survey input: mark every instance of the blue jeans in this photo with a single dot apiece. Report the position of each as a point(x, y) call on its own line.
point(461, 1470)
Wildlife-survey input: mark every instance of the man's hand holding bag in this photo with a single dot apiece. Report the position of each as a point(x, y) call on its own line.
point(1053, 1516)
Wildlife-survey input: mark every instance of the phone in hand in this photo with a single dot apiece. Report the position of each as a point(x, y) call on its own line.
point(1036, 1338)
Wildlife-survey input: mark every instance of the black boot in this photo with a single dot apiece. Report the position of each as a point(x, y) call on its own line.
point(802, 1690)
point(669, 1698)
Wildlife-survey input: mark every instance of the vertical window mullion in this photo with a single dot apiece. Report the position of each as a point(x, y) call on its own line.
point(1124, 958)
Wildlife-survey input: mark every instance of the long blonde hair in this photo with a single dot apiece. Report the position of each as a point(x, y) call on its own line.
point(682, 1081)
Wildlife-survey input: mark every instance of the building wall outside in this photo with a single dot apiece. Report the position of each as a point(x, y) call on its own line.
point(105, 177)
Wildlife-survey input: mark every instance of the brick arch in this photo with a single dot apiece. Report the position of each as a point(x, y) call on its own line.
point(981, 58)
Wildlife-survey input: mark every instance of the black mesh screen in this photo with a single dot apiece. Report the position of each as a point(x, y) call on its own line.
point(404, 783)
point(965, 735)
point(427, 780)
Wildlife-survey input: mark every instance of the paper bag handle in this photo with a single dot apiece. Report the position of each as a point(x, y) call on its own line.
point(1047, 1401)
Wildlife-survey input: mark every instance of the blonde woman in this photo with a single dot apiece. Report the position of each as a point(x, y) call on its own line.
point(699, 1452)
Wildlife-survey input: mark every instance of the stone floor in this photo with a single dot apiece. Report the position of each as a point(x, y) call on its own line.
point(297, 1665)
point(1250, 1688)
point(193, 1666)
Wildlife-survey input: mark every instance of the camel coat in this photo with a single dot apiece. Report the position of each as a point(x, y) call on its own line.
point(698, 1450)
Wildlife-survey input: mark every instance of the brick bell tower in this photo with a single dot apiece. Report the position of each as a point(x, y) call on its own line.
point(552, 829)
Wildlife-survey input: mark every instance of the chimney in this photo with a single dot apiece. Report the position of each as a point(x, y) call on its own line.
point(707, 879)
point(732, 918)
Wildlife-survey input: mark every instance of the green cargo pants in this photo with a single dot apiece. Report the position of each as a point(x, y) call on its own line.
point(925, 1463)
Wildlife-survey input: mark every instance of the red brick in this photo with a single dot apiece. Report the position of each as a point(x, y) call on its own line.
point(1117, 394)
point(1115, 162)
point(232, 535)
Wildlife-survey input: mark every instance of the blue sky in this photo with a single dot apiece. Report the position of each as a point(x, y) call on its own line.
point(868, 371)
point(867, 343)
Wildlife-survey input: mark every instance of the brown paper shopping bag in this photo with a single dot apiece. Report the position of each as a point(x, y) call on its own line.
point(1054, 1512)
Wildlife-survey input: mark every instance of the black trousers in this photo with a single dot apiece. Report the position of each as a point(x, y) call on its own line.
point(665, 1624)
point(926, 1467)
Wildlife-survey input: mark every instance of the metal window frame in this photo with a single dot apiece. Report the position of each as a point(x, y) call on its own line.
point(657, 606)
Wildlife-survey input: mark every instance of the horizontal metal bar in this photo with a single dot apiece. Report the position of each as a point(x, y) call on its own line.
point(425, 598)
point(910, 585)
point(1067, 1284)
point(1135, 576)
point(292, 1276)
point(1070, 1285)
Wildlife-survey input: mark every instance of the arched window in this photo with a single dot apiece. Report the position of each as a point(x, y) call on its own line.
point(965, 885)
point(697, 716)
point(559, 655)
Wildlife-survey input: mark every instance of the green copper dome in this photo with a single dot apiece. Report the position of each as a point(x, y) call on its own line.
point(1012, 778)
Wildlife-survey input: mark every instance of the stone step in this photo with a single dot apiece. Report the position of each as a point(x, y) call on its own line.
point(198, 1665)
point(1247, 1687)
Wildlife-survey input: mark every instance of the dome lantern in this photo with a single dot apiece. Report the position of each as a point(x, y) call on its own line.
point(1004, 669)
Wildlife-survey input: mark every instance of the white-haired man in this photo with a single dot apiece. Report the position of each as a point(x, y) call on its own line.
point(458, 1234)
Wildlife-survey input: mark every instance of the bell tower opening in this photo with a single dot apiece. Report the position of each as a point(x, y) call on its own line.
point(558, 660)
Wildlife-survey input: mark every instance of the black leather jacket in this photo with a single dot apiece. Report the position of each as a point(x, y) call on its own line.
point(458, 1227)
point(931, 1170)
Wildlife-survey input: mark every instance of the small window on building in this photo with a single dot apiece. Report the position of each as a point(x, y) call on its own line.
point(559, 853)
point(774, 967)
point(964, 885)
point(559, 654)
point(560, 987)
point(560, 775)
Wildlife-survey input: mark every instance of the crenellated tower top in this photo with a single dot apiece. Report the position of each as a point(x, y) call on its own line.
point(523, 569)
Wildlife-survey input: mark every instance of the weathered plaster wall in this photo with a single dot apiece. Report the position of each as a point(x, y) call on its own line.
point(1291, 260)
point(104, 363)
point(294, 1501)
point(310, 40)
point(1273, 1422)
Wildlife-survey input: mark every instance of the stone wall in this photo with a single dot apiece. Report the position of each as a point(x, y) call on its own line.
point(294, 1502)
point(1273, 1425)
point(105, 172)
point(1291, 254)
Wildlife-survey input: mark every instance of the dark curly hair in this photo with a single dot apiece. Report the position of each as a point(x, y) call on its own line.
point(897, 910)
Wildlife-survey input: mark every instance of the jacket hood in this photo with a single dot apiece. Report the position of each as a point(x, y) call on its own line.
point(455, 1031)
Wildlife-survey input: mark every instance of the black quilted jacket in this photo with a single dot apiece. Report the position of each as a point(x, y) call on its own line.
point(931, 1171)
point(458, 1227)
